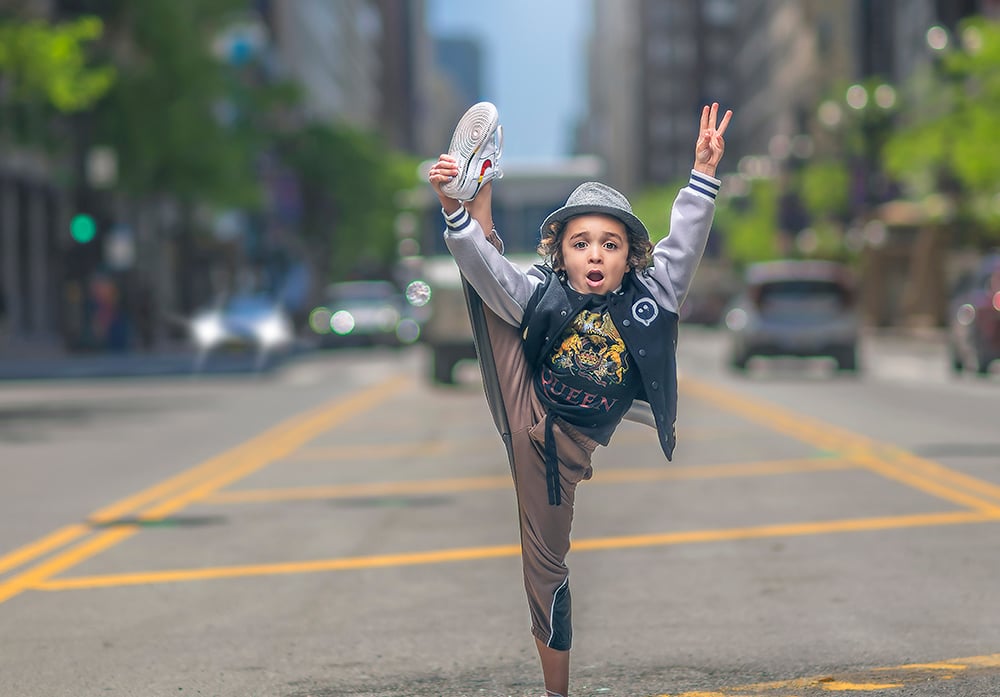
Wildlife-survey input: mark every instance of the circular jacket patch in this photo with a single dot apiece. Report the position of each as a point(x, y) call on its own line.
point(645, 311)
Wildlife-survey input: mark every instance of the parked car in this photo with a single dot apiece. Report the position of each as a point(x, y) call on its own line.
point(974, 319)
point(795, 308)
point(365, 313)
point(249, 322)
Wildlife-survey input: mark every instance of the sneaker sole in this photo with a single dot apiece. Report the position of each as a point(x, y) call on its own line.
point(472, 131)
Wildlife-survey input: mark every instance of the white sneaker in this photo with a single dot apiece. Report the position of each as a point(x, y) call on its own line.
point(476, 145)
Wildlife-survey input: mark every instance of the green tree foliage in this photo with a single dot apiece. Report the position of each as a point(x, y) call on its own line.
point(747, 224)
point(824, 189)
point(50, 62)
point(949, 139)
point(182, 121)
point(351, 186)
point(652, 207)
point(188, 125)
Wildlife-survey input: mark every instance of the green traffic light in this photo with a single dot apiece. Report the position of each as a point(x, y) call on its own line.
point(82, 228)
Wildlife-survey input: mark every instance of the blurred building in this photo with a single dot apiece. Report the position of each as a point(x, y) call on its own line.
point(456, 83)
point(366, 63)
point(461, 59)
point(405, 70)
point(652, 64)
point(784, 67)
point(790, 55)
point(331, 49)
point(805, 70)
point(651, 67)
point(33, 209)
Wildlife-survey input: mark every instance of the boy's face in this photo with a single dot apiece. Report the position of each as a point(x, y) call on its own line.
point(595, 253)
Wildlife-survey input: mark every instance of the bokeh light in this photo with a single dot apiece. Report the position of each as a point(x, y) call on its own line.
point(319, 320)
point(342, 322)
point(418, 293)
point(857, 97)
point(830, 114)
point(885, 96)
point(937, 38)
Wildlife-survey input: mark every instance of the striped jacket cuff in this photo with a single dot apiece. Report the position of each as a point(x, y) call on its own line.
point(457, 221)
point(705, 185)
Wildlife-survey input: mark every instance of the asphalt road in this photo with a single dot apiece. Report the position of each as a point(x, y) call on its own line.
point(340, 527)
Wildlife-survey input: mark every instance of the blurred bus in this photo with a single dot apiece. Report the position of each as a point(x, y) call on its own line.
point(527, 193)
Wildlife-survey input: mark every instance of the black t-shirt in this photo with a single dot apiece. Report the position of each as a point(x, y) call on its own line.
point(589, 379)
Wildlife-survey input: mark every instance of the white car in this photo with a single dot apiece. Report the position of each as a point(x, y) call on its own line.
point(251, 322)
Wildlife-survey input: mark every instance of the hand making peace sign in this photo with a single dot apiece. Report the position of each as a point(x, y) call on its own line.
point(710, 146)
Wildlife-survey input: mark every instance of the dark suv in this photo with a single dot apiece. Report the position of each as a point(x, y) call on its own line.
point(974, 318)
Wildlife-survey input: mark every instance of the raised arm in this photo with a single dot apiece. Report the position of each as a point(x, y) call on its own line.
point(676, 257)
point(478, 250)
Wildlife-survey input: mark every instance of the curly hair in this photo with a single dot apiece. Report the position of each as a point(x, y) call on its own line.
point(640, 249)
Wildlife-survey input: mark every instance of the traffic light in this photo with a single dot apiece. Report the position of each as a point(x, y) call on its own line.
point(82, 228)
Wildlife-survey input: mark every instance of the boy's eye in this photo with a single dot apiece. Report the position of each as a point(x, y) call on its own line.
point(610, 245)
point(580, 244)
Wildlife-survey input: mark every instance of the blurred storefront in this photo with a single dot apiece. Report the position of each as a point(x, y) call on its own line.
point(31, 211)
point(906, 266)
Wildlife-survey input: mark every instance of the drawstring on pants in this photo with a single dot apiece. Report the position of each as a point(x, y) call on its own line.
point(552, 464)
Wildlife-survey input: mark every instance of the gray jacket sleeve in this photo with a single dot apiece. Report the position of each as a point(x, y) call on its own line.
point(676, 256)
point(504, 286)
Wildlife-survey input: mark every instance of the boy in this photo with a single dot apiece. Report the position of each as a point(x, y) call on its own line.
point(571, 347)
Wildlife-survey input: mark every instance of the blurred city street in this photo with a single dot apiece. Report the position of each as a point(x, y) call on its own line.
point(339, 526)
point(244, 444)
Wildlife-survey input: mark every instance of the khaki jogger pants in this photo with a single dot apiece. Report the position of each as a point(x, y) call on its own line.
point(545, 529)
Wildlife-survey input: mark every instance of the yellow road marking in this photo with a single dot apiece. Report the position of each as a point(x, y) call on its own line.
point(376, 451)
point(463, 484)
point(944, 665)
point(889, 461)
point(934, 469)
point(129, 504)
point(477, 553)
point(856, 681)
point(54, 540)
point(194, 484)
point(343, 564)
point(837, 686)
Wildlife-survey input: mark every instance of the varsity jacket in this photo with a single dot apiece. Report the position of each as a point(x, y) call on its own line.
point(649, 333)
point(645, 309)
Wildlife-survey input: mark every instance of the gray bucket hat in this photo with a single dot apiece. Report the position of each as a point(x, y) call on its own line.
point(595, 197)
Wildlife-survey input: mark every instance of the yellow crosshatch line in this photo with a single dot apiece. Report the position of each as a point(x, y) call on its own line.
point(496, 551)
point(184, 489)
point(279, 443)
point(463, 484)
point(204, 482)
point(889, 461)
point(373, 451)
point(885, 678)
point(430, 449)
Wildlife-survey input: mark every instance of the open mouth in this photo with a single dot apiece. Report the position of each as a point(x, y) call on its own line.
point(595, 277)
